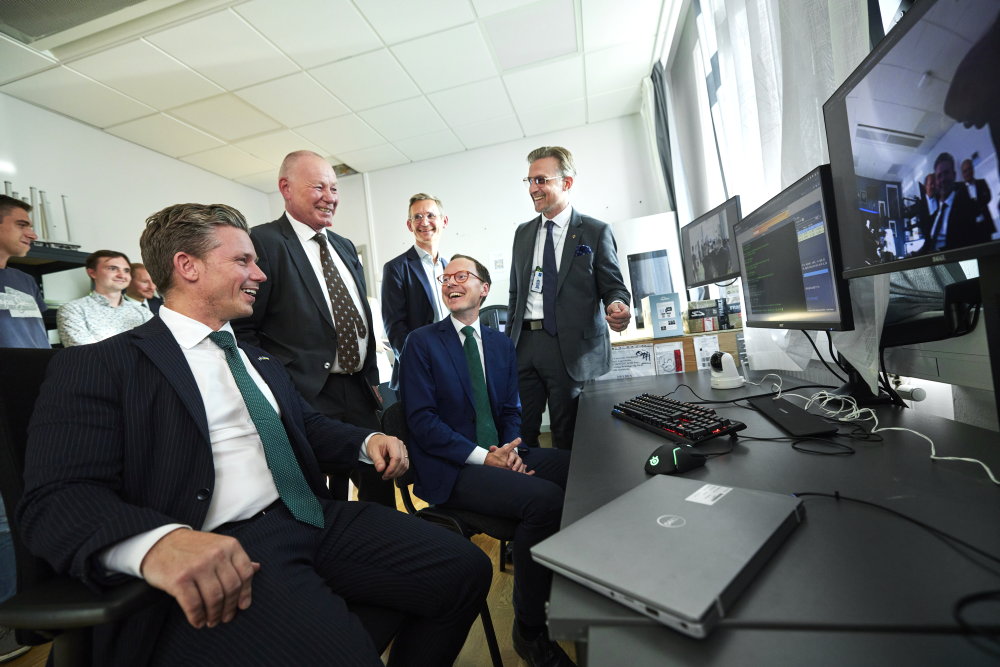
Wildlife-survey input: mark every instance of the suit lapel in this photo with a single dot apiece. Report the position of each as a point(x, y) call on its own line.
point(573, 234)
point(317, 292)
point(529, 253)
point(159, 345)
point(452, 344)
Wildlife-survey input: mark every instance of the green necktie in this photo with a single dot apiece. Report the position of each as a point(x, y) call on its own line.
point(288, 477)
point(486, 430)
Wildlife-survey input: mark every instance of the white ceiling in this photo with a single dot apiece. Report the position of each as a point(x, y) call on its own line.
point(232, 86)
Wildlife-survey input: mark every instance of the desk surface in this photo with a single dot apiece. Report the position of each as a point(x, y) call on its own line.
point(852, 572)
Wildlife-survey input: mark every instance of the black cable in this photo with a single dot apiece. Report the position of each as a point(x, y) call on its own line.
point(968, 626)
point(835, 356)
point(818, 354)
point(705, 401)
point(727, 284)
point(896, 399)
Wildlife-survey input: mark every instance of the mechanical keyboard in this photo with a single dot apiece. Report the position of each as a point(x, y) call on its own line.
point(681, 422)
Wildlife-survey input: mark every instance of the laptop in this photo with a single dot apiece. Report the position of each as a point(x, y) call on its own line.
point(791, 418)
point(677, 550)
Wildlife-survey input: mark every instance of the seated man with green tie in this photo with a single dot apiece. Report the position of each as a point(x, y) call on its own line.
point(458, 383)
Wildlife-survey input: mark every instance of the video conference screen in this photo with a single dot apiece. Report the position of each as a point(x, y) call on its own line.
point(913, 136)
point(787, 252)
point(707, 253)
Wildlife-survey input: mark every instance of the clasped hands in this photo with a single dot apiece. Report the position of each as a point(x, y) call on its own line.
point(507, 457)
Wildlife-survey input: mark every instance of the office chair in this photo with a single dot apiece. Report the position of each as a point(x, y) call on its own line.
point(463, 522)
point(495, 317)
point(59, 608)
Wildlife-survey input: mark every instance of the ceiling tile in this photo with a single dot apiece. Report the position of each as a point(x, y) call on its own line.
point(142, 71)
point(294, 100)
point(533, 33)
point(614, 104)
point(619, 66)
point(295, 32)
point(538, 86)
point(265, 181)
point(274, 146)
point(431, 145)
point(490, 7)
point(401, 120)
point(447, 59)
point(229, 162)
point(557, 117)
point(342, 135)
point(225, 116)
point(77, 96)
point(398, 21)
point(17, 60)
point(489, 132)
point(367, 81)
point(223, 47)
point(166, 135)
point(482, 100)
point(376, 157)
point(605, 23)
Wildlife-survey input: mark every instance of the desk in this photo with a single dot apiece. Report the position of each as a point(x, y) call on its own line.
point(853, 585)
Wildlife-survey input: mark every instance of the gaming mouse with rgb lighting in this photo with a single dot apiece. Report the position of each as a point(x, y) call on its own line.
point(673, 458)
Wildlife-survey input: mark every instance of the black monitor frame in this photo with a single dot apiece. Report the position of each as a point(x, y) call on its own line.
point(731, 205)
point(774, 207)
point(842, 161)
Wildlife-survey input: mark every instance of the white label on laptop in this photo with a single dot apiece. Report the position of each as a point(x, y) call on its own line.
point(709, 494)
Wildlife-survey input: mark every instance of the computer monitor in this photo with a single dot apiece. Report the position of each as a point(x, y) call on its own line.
point(707, 253)
point(920, 110)
point(789, 260)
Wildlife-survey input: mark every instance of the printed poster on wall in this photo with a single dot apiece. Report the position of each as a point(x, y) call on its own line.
point(630, 361)
point(669, 357)
point(704, 348)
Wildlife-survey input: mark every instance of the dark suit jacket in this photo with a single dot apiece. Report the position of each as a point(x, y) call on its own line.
point(963, 229)
point(983, 197)
point(291, 318)
point(407, 301)
point(119, 445)
point(589, 276)
point(437, 394)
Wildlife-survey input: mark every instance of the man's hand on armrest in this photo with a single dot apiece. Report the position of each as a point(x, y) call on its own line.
point(209, 575)
point(388, 455)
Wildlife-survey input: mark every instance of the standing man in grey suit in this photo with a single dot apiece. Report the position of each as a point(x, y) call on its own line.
point(411, 297)
point(566, 288)
point(313, 313)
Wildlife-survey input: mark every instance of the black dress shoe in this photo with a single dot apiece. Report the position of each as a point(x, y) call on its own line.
point(541, 651)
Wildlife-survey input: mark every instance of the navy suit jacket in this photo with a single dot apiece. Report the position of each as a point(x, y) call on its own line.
point(291, 317)
point(589, 280)
point(440, 412)
point(407, 301)
point(119, 445)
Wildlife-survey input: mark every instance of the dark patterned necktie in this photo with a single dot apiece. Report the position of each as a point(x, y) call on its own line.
point(549, 280)
point(486, 429)
point(285, 470)
point(346, 318)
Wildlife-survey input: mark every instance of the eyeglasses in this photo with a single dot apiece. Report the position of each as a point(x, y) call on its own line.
point(459, 277)
point(539, 180)
point(420, 217)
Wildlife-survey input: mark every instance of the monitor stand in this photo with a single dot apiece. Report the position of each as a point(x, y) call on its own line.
point(858, 389)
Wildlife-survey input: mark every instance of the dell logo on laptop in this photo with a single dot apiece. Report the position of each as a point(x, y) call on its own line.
point(671, 521)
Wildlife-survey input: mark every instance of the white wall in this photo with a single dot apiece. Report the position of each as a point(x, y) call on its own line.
point(112, 185)
point(485, 199)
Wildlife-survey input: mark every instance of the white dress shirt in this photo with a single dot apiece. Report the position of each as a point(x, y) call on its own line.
point(433, 270)
point(478, 455)
point(311, 248)
point(533, 307)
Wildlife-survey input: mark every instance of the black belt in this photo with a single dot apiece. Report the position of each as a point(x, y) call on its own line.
point(532, 325)
point(239, 522)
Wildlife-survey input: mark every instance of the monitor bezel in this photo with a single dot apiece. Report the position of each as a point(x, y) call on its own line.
point(844, 305)
point(685, 232)
point(838, 135)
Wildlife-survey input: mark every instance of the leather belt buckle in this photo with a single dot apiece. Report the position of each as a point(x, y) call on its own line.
point(532, 325)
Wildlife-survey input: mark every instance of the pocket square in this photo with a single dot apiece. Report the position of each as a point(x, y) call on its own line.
point(583, 249)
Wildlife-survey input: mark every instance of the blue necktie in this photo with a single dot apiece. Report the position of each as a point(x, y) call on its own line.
point(285, 470)
point(486, 428)
point(549, 280)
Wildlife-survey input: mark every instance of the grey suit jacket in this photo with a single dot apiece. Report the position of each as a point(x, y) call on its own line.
point(590, 279)
point(291, 317)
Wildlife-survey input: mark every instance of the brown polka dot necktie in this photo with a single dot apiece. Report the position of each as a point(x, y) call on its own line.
point(346, 318)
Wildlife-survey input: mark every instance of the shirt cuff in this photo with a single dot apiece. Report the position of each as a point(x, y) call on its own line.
point(126, 556)
point(363, 454)
point(477, 456)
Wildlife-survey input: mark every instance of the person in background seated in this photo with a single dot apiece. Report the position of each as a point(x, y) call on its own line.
point(21, 325)
point(458, 384)
point(411, 296)
point(142, 289)
point(172, 454)
point(104, 312)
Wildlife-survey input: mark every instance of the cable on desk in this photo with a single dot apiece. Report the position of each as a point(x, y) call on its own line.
point(839, 448)
point(818, 354)
point(958, 611)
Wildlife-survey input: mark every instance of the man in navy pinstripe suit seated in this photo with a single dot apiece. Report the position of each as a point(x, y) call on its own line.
point(170, 454)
